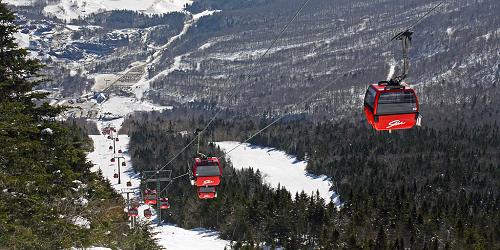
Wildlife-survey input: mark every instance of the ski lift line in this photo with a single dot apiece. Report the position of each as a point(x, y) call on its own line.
point(182, 175)
point(283, 115)
point(283, 30)
point(424, 16)
point(165, 188)
point(259, 61)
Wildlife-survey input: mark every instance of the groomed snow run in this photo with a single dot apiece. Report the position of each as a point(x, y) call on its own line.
point(279, 168)
point(173, 237)
point(101, 158)
point(119, 105)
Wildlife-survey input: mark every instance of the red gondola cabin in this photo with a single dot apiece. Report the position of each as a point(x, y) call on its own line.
point(207, 171)
point(164, 203)
point(133, 212)
point(391, 107)
point(207, 193)
point(150, 197)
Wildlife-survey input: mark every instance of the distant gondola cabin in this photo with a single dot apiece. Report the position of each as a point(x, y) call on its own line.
point(150, 197)
point(133, 212)
point(164, 203)
point(207, 193)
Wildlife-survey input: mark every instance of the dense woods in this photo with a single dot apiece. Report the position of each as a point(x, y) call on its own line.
point(49, 199)
point(423, 188)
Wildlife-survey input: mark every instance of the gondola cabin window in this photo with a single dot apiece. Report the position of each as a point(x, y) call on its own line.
point(208, 169)
point(401, 102)
point(207, 190)
point(370, 98)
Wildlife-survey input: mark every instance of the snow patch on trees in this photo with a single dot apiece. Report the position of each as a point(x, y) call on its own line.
point(81, 222)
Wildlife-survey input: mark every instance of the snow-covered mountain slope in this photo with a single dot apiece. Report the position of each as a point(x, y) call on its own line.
point(19, 2)
point(209, 55)
point(278, 168)
point(74, 9)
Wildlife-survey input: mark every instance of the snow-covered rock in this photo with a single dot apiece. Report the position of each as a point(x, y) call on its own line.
point(81, 222)
point(47, 131)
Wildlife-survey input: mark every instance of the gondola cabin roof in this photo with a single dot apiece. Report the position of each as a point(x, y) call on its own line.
point(208, 160)
point(381, 86)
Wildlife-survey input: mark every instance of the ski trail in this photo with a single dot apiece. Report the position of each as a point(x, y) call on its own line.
point(280, 169)
point(392, 69)
point(166, 235)
point(144, 84)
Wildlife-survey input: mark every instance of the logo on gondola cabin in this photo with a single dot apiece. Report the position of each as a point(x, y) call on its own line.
point(395, 123)
point(207, 182)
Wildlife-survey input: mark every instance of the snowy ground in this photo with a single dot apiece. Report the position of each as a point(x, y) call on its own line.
point(119, 105)
point(19, 2)
point(278, 168)
point(74, 9)
point(173, 237)
point(102, 81)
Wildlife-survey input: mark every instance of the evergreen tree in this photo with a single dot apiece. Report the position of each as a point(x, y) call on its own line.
point(46, 186)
